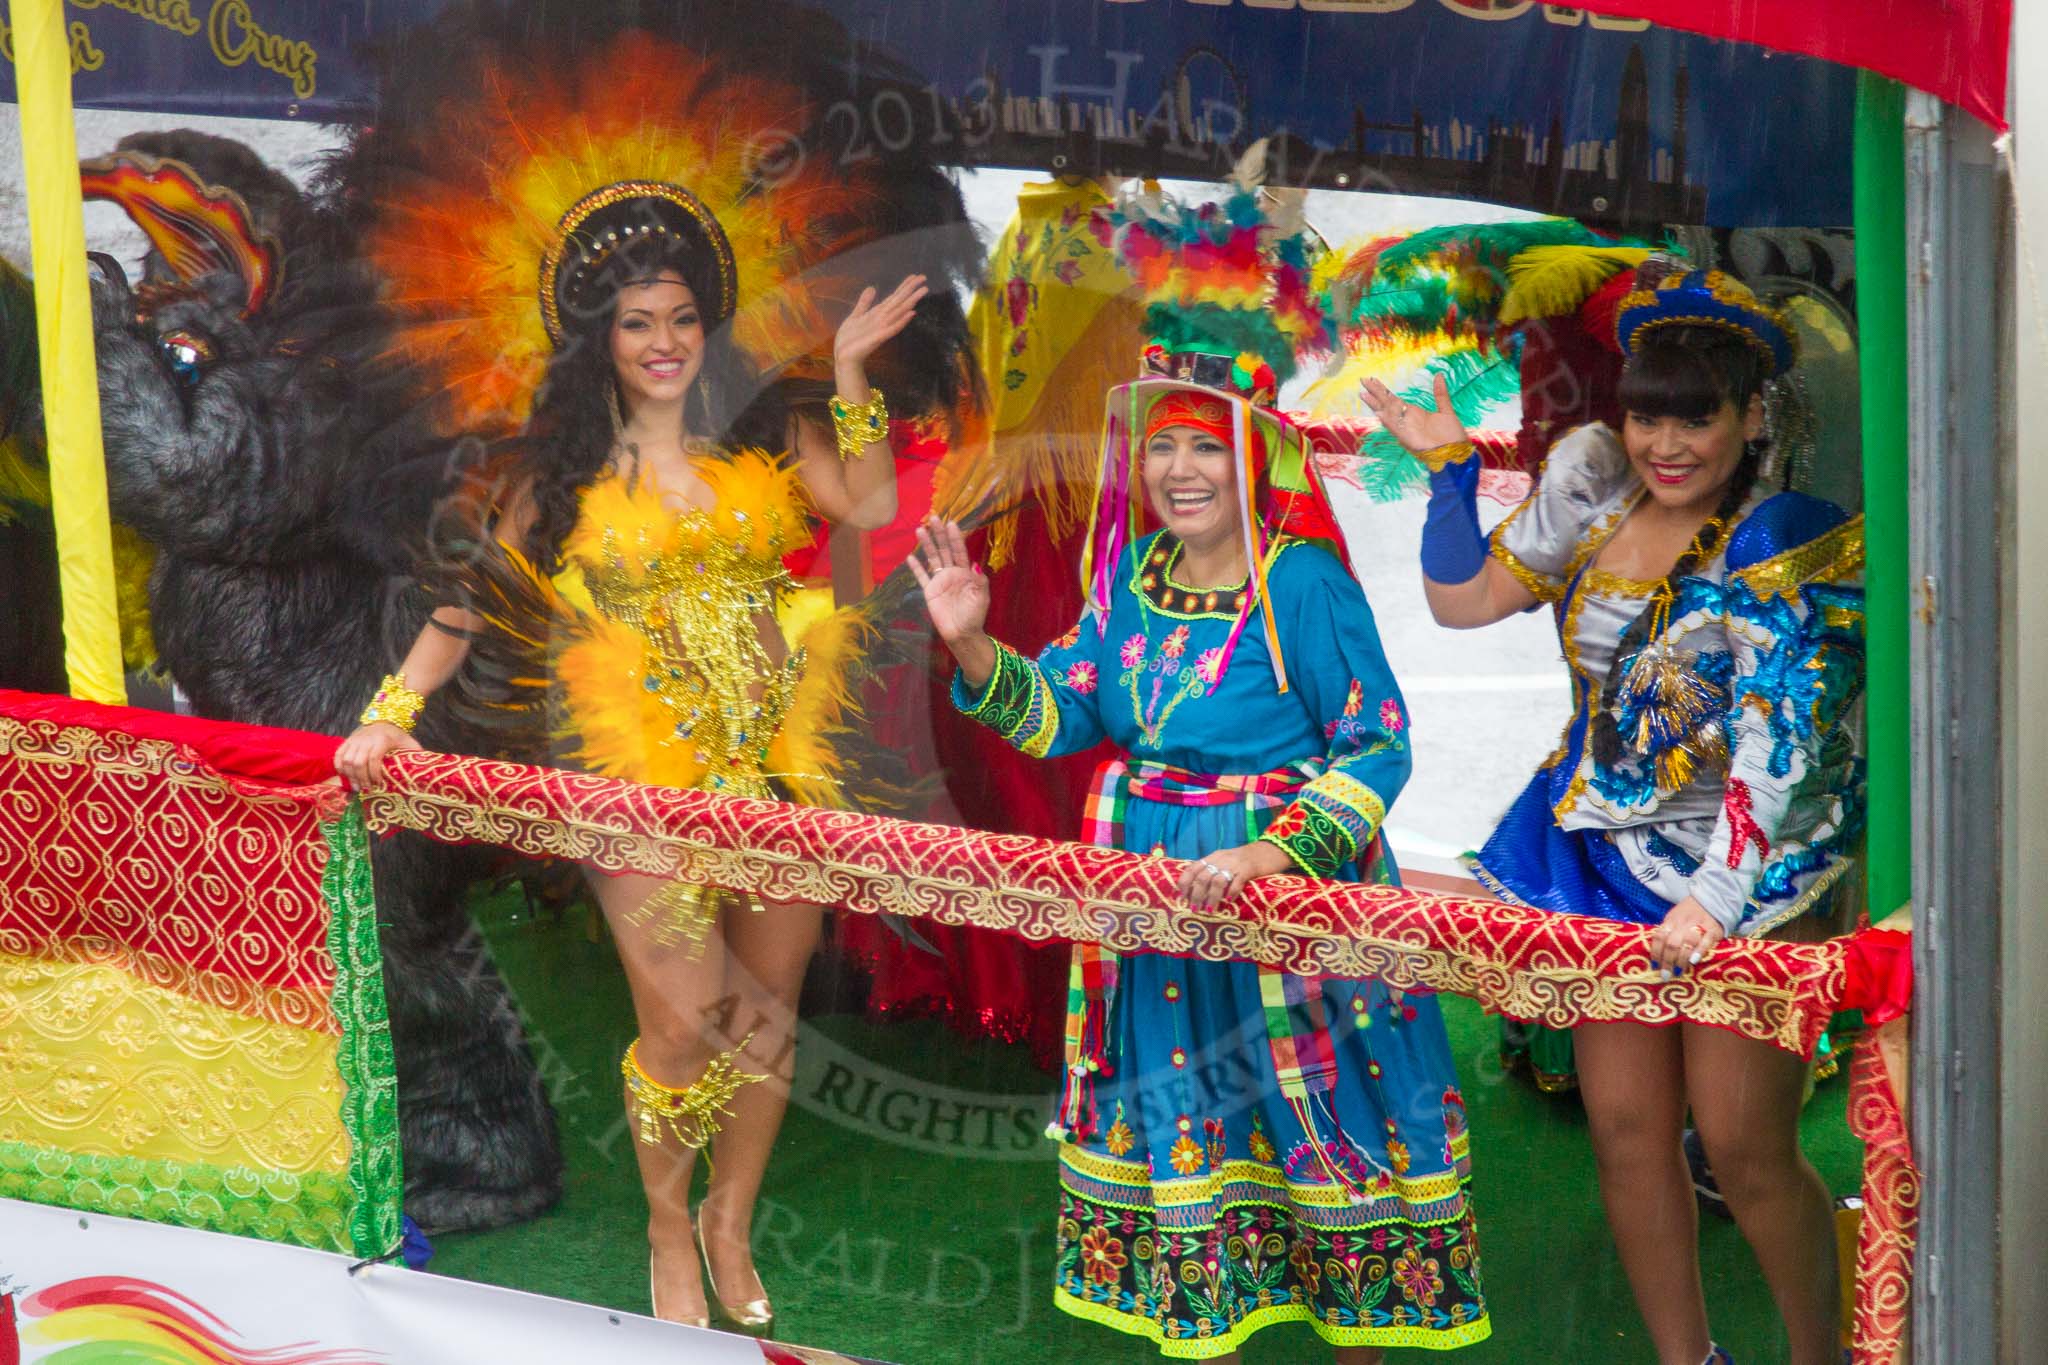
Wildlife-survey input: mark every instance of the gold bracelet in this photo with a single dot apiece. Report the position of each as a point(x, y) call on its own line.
point(394, 704)
point(859, 425)
point(1450, 453)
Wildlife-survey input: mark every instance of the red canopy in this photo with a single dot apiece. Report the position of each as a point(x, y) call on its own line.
point(1952, 48)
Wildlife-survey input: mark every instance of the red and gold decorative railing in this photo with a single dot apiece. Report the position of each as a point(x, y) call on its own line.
point(77, 781)
point(1558, 970)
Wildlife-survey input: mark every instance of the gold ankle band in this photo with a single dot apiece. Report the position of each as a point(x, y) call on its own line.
point(690, 1112)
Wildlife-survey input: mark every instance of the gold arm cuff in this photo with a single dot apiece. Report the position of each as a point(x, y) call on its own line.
point(394, 704)
point(856, 426)
point(1454, 452)
point(690, 1112)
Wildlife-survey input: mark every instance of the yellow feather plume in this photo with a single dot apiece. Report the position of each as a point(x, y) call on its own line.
point(23, 481)
point(1054, 327)
point(803, 754)
point(612, 725)
point(1550, 281)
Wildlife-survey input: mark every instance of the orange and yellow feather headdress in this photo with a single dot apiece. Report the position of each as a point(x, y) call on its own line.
point(527, 160)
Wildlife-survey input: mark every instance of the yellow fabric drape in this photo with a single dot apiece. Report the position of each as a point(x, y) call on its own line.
point(71, 396)
point(102, 1064)
point(1053, 328)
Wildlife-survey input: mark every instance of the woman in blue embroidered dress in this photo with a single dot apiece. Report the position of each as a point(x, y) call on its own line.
point(1239, 1147)
point(1706, 786)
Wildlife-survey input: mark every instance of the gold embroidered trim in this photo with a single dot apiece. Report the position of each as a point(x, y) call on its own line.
point(1569, 802)
point(94, 1061)
point(1545, 587)
point(1440, 457)
point(1830, 558)
point(1601, 583)
point(1804, 902)
point(1540, 586)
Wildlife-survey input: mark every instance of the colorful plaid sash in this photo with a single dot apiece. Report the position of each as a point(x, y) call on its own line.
point(1296, 1029)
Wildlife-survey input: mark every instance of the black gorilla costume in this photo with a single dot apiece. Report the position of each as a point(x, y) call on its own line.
point(287, 471)
point(260, 469)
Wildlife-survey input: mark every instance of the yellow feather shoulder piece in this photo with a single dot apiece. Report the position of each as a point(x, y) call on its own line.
point(619, 521)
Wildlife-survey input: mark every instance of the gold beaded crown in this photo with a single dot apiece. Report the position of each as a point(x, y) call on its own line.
point(602, 223)
point(1705, 298)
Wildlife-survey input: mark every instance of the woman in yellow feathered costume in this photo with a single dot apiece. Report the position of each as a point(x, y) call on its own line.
point(632, 554)
point(670, 667)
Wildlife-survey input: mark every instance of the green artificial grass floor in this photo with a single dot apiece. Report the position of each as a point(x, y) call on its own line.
point(933, 1253)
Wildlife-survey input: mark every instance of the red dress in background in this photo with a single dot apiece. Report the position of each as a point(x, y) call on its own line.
point(983, 983)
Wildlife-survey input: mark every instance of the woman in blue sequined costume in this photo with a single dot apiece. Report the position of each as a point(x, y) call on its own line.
point(1706, 785)
point(1238, 1147)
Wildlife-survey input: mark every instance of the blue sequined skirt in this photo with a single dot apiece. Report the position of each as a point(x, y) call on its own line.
point(1529, 860)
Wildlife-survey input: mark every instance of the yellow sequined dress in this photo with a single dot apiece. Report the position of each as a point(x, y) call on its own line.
point(676, 662)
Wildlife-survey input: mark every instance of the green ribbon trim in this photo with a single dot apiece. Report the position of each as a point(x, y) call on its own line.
point(369, 1074)
point(311, 1210)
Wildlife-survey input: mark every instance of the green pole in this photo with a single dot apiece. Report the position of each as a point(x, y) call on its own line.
point(1881, 338)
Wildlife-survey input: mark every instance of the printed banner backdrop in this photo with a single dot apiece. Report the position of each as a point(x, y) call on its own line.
point(1957, 51)
point(1544, 106)
point(78, 1289)
point(192, 1022)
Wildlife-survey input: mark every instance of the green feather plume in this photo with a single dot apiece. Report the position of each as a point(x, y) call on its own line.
point(1479, 381)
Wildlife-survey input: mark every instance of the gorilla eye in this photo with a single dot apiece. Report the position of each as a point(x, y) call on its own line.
point(189, 353)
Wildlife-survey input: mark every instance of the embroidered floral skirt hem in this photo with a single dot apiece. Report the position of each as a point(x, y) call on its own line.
point(1261, 1251)
point(1195, 1209)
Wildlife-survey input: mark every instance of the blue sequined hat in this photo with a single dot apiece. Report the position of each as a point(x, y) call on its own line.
point(1706, 298)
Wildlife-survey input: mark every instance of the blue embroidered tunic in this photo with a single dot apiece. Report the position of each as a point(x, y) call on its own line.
point(1755, 823)
point(1194, 1210)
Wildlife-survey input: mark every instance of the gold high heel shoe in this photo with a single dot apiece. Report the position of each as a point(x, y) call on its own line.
point(756, 1316)
point(654, 1304)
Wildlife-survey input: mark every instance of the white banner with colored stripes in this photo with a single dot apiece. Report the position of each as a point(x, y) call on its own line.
point(87, 1288)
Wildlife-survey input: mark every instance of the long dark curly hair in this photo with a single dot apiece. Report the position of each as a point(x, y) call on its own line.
point(569, 438)
point(1684, 372)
